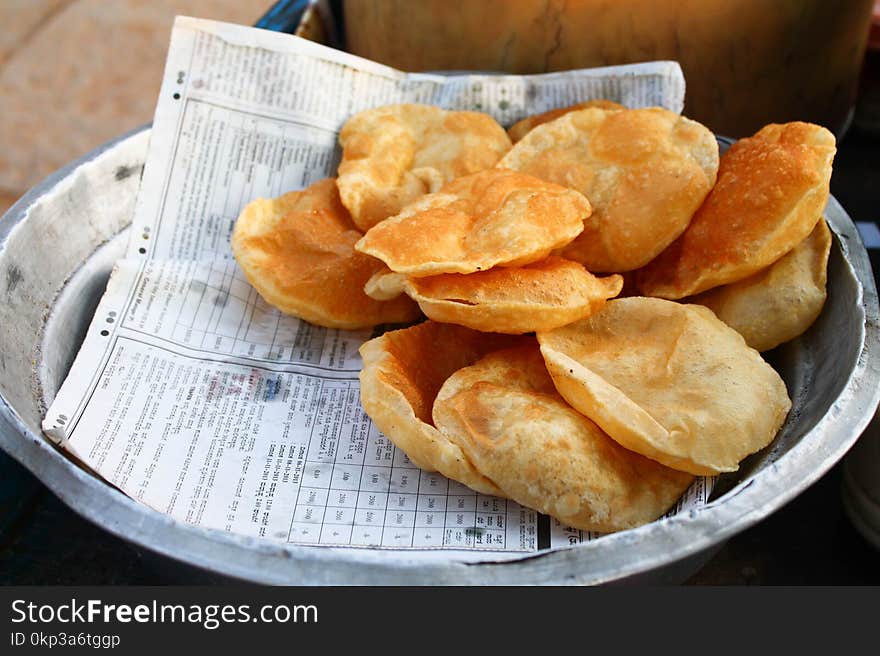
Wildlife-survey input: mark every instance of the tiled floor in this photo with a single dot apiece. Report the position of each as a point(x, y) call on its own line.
point(75, 73)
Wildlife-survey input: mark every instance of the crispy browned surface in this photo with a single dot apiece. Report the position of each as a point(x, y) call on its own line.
point(495, 217)
point(780, 302)
point(510, 422)
point(770, 192)
point(539, 296)
point(644, 171)
point(402, 372)
point(521, 128)
point(669, 381)
point(393, 155)
point(298, 252)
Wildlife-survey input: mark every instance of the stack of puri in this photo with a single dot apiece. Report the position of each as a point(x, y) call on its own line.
point(598, 284)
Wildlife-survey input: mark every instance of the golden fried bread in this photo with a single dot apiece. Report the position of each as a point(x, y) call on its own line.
point(669, 381)
point(538, 296)
point(780, 302)
point(521, 128)
point(298, 252)
point(495, 217)
point(644, 171)
point(394, 154)
point(401, 375)
point(771, 190)
point(510, 422)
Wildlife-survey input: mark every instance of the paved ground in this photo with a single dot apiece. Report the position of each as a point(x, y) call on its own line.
point(75, 73)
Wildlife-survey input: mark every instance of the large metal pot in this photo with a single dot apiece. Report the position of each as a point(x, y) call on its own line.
point(58, 244)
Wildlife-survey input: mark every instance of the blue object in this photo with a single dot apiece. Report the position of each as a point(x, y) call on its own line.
point(284, 16)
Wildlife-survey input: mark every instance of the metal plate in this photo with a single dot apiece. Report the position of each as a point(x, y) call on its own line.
point(57, 245)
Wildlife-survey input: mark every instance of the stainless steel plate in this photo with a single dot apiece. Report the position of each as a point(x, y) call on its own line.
point(58, 243)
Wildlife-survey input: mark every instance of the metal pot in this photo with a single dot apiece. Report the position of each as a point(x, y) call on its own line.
point(57, 247)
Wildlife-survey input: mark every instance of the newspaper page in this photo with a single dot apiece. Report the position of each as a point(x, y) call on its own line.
point(194, 396)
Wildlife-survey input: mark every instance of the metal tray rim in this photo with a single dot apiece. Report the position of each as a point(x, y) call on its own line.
point(620, 556)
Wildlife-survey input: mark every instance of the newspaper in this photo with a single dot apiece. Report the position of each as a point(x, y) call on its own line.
point(195, 397)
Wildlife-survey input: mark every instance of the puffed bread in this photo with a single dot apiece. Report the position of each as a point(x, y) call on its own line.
point(496, 217)
point(539, 296)
point(507, 418)
point(780, 302)
point(393, 155)
point(771, 190)
point(669, 381)
point(298, 253)
point(521, 128)
point(644, 171)
point(402, 372)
